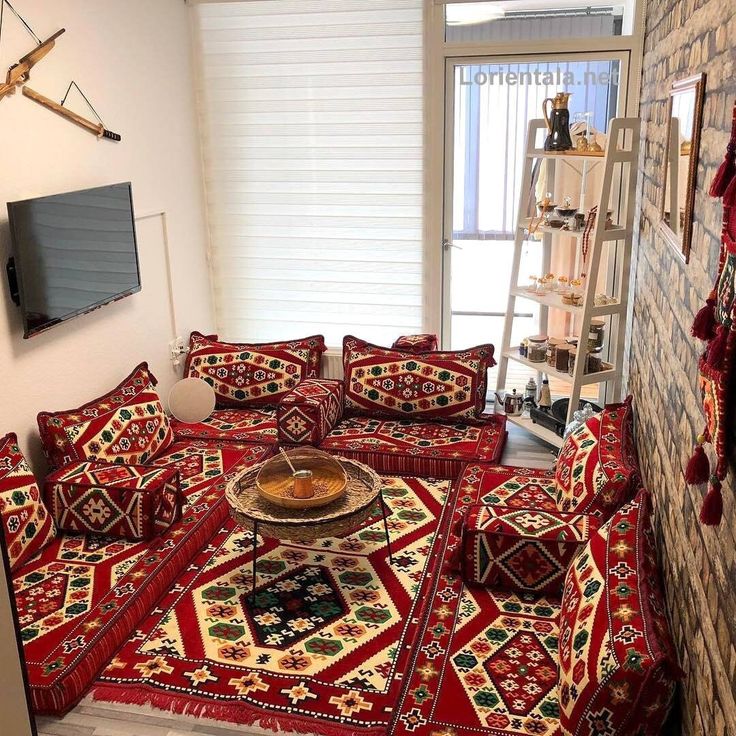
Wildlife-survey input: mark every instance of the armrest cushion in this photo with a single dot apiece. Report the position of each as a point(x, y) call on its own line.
point(523, 550)
point(134, 502)
point(310, 412)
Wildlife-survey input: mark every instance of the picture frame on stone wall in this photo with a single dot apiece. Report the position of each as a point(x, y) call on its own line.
point(684, 122)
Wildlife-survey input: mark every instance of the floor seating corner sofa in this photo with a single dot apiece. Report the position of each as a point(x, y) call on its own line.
point(547, 616)
point(397, 409)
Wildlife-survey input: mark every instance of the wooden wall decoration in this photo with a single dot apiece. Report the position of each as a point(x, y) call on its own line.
point(20, 72)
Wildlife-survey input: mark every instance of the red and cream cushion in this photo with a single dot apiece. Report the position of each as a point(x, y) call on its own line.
point(416, 447)
point(617, 663)
point(597, 470)
point(422, 343)
point(124, 501)
point(127, 425)
point(238, 425)
point(27, 525)
point(257, 374)
point(436, 385)
point(310, 411)
point(516, 488)
point(524, 550)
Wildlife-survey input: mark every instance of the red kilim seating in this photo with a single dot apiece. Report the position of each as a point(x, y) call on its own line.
point(239, 425)
point(517, 488)
point(79, 600)
point(416, 447)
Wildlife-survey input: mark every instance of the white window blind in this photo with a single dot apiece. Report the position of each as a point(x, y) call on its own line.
point(313, 146)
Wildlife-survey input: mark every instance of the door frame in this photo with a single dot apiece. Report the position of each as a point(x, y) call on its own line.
point(436, 53)
point(451, 62)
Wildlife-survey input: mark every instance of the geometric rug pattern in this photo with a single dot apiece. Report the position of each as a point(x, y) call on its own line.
point(485, 661)
point(324, 644)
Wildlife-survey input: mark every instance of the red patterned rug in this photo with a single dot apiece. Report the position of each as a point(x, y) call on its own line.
point(485, 661)
point(326, 646)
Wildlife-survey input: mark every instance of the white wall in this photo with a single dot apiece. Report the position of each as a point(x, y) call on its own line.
point(132, 59)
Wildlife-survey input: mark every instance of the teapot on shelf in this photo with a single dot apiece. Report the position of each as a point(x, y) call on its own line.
point(558, 123)
point(512, 402)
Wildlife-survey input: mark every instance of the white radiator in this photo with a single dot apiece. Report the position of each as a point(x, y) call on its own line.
point(332, 364)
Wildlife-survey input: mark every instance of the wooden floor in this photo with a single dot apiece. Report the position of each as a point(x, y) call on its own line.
point(92, 718)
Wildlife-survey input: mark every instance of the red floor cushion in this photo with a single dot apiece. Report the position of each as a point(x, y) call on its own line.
point(518, 488)
point(445, 386)
point(124, 501)
point(253, 374)
point(238, 425)
point(79, 600)
point(26, 523)
point(310, 411)
point(126, 425)
point(597, 469)
point(417, 447)
point(617, 661)
point(525, 550)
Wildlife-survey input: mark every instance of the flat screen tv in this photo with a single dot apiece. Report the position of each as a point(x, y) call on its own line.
point(72, 253)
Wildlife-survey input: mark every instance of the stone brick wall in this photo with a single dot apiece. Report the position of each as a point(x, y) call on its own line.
point(684, 37)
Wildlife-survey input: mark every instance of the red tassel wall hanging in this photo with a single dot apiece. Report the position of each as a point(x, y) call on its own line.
point(715, 323)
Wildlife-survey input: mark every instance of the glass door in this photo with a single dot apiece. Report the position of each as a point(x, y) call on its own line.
point(489, 104)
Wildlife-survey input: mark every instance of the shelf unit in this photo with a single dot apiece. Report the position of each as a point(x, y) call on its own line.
point(617, 192)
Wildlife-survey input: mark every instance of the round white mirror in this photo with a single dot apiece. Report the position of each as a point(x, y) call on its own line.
point(191, 400)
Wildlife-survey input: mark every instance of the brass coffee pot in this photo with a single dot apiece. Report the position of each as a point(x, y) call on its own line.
point(558, 123)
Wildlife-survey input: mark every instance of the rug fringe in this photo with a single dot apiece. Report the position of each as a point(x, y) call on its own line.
point(230, 713)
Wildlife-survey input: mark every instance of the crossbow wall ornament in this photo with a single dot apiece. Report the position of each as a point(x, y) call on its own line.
point(19, 73)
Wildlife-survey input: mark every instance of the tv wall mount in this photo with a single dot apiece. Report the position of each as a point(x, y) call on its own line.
point(12, 275)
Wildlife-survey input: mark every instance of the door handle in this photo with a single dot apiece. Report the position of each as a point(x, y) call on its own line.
point(447, 244)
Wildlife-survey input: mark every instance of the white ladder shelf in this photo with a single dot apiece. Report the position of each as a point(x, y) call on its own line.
point(617, 192)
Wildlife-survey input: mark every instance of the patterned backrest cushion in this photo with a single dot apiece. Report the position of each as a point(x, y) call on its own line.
point(597, 469)
point(617, 663)
point(126, 425)
point(421, 343)
point(257, 374)
point(435, 385)
point(27, 525)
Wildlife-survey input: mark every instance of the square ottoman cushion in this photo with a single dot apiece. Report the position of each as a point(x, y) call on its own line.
point(421, 343)
point(26, 524)
point(597, 469)
point(524, 550)
point(310, 411)
point(253, 374)
point(395, 383)
point(123, 501)
point(617, 662)
point(126, 425)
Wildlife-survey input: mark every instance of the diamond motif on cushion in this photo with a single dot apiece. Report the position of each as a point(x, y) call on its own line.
point(24, 520)
point(126, 425)
point(386, 382)
point(253, 374)
point(530, 564)
point(597, 469)
point(523, 673)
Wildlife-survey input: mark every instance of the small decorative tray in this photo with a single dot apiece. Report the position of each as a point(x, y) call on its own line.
point(356, 504)
point(275, 481)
